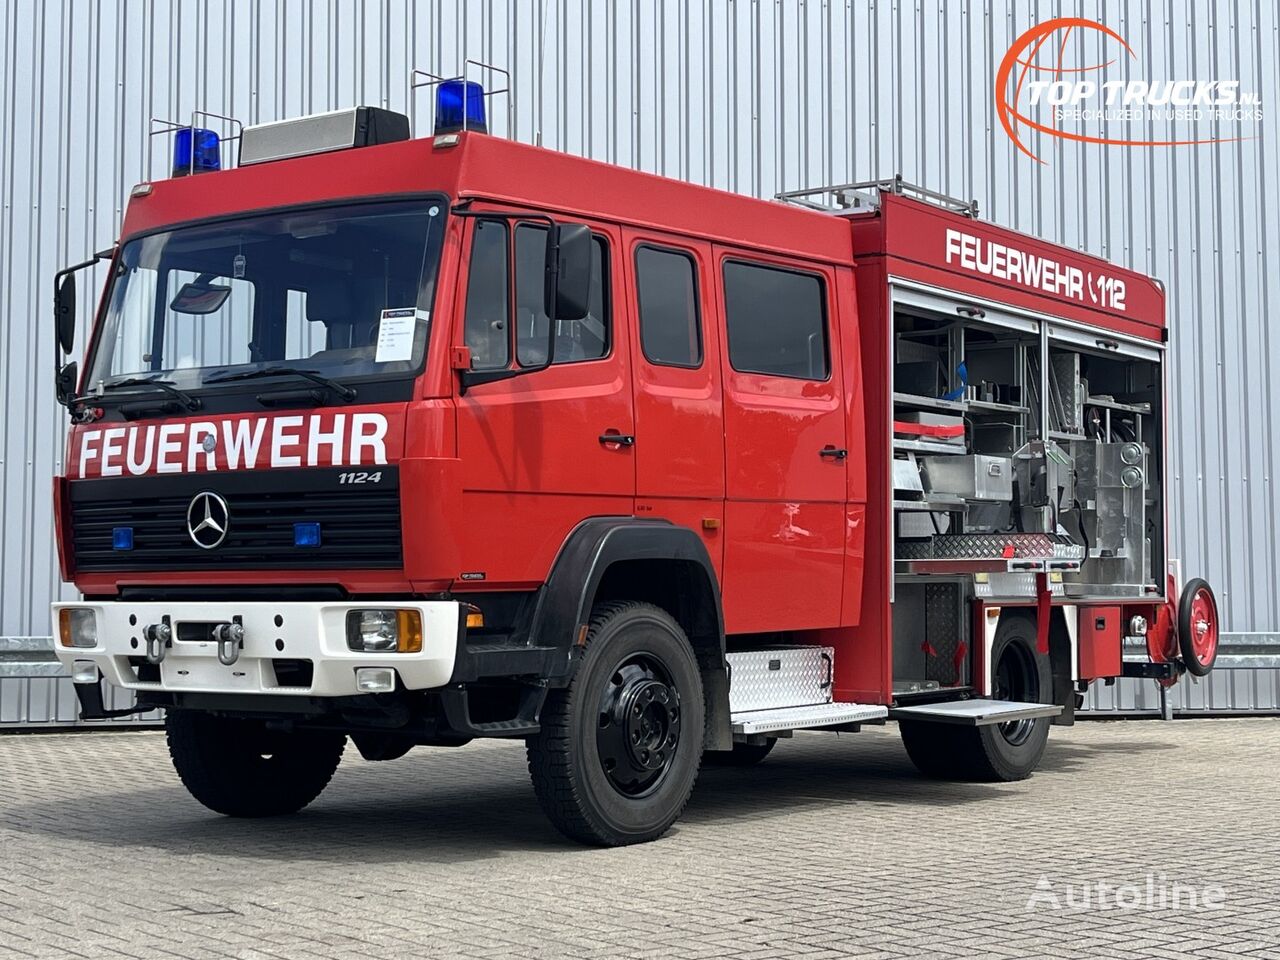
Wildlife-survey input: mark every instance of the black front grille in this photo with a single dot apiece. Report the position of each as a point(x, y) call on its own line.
point(359, 524)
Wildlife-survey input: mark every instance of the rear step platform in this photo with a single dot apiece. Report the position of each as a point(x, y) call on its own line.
point(975, 713)
point(806, 717)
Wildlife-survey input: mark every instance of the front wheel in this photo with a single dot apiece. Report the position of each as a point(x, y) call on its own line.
point(241, 768)
point(619, 749)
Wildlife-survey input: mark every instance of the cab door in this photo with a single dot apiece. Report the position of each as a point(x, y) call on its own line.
point(535, 450)
point(675, 359)
point(786, 444)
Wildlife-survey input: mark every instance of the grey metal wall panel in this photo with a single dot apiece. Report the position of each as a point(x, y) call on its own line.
point(749, 95)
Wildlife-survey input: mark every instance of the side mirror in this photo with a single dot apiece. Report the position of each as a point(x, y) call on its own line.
point(65, 381)
point(64, 310)
point(568, 272)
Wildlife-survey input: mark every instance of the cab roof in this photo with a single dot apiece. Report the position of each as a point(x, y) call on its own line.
point(511, 174)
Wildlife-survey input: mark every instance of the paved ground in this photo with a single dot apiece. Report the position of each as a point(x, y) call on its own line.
point(833, 847)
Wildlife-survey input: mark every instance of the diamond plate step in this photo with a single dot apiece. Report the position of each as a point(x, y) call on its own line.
point(975, 713)
point(804, 718)
point(991, 546)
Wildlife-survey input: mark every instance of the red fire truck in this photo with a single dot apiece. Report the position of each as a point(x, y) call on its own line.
point(417, 441)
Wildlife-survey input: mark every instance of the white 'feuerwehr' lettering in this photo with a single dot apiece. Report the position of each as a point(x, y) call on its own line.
point(1009, 263)
point(137, 466)
point(374, 438)
point(242, 438)
point(239, 444)
point(281, 438)
point(316, 438)
point(87, 453)
point(170, 444)
point(112, 449)
point(195, 445)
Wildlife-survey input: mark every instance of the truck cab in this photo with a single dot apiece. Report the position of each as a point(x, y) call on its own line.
point(415, 441)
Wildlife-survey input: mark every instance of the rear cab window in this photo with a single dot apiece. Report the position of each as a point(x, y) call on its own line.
point(776, 321)
point(667, 297)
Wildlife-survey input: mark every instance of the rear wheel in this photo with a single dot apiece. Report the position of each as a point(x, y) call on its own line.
point(618, 750)
point(742, 754)
point(243, 769)
point(997, 752)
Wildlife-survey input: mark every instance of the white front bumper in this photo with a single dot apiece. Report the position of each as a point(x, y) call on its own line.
point(272, 631)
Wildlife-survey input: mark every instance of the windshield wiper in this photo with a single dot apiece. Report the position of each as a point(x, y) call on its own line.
point(341, 389)
point(165, 386)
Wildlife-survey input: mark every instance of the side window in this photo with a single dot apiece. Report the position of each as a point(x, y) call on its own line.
point(776, 321)
point(667, 291)
point(585, 339)
point(488, 296)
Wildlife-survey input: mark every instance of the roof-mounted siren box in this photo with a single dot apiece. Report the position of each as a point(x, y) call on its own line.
point(322, 133)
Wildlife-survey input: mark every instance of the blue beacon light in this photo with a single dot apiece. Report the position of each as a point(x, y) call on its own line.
point(306, 534)
point(459, 106)
point(122, 538)
point(195, 150)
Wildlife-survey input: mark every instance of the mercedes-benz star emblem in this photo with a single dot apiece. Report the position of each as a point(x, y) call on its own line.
point(208, 518)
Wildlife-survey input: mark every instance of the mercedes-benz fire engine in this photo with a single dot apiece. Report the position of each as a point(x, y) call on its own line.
point(413, 441)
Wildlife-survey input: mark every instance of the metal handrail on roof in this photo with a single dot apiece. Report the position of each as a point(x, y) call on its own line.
point(865, 196)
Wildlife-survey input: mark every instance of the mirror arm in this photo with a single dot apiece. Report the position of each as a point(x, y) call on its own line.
point(65, 397)
point(473, 378)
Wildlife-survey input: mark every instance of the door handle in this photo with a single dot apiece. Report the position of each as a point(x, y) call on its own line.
point(621, 439)
point(835, 453)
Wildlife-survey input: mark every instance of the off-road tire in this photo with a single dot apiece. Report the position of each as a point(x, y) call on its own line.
point(242, 769)
point(565, 763)
point(742, 754)
point(952, 752)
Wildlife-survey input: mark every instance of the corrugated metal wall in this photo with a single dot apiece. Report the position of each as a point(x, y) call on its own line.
point(749, 95)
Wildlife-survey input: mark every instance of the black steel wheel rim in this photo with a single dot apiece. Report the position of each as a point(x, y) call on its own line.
point(638, 730)
point(1017, 679)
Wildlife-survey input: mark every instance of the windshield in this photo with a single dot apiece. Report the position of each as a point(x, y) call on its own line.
point(340, 291)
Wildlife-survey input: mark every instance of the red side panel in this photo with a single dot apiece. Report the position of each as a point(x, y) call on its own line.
point(966, 256)
point(61, 531)
point(863, 662)
point(1099, 642)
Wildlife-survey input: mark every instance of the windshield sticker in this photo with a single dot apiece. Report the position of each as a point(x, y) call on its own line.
point(199, 298)
point(395, 334)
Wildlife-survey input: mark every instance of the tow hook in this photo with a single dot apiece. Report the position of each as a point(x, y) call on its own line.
point(230, 640)
point(158, 637)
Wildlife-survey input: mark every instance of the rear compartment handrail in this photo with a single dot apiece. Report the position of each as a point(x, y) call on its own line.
point(864, 195)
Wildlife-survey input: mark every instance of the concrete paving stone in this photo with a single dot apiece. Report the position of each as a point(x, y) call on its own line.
point(833, 847)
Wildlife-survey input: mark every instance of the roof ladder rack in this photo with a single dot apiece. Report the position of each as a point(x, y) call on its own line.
point(865, 196)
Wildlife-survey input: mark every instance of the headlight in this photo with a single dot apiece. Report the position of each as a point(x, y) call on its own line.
point(78, 627)
point(384, 631)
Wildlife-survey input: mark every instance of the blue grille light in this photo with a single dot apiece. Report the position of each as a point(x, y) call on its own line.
point(306, 534)
point(200, 142)
point(122, 538)
point(460, 105)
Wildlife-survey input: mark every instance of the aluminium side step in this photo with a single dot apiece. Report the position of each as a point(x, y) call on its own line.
point(805, 717)
point(975, 713)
